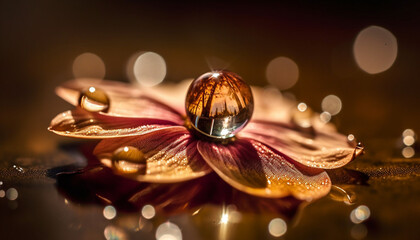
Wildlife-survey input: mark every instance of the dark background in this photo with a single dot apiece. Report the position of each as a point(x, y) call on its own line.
point(40, 39)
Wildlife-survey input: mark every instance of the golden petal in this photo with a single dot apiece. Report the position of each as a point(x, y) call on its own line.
point(255, 168)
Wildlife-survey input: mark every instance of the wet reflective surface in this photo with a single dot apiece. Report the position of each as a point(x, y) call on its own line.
point(72, 193)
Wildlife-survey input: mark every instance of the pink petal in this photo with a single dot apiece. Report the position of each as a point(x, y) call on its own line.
point(83, 124)
point(171, 155)
point(255, 168)
point(323, 148)
point(125, 100)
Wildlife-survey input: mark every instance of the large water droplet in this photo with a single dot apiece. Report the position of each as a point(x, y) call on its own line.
point(129, 160)
point(219, 104)
point(94, 100)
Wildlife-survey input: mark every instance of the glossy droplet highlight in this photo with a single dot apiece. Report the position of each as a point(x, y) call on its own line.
point(219, 104)
point(129, 160)
point(94, 100)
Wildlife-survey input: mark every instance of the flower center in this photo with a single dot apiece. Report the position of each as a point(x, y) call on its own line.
point(219, 104)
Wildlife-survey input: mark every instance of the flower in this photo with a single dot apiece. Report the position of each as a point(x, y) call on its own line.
point(147, 135)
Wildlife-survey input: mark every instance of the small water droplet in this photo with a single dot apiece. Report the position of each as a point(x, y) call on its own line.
point(341, 195)
point(219, 104)
point(360, 145)
point(129, 160)
point(94, 100)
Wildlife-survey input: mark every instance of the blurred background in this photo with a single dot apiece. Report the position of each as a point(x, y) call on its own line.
point(356, 62)
point(366, 53)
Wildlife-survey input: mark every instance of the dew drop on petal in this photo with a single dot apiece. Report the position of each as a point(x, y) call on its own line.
point(129, 160)
point(94, 100)
point(219, 104)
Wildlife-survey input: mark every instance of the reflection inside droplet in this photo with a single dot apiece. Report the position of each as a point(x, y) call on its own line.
point(94, 100)
point(129, 160)
point(277, 227)
point(219, 104)
point(88, 65)
point(331, 104)
point(360, 214)
point(12, 194)
point(282, 72)
point(148, 211)
point(408, 152)
point(109, 212)
point(149, 69)
point(375, 49)
point(167, 231)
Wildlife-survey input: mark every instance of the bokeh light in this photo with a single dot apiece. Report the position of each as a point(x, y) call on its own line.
point(360, 214)
point(277, 227)
point(409, 140)
point(88, 65)
point(375, 49)
point(110, 212)
point(114, 233)
point(408, 152)
point(351, 137)
point(331, 104)
point(2, 193)
point(302, 106)
point(282, 72)
point(408, 133)
point(168, 231)
point(148, 69)
point(12, 194)
point(148, 211)
point(325, 117)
